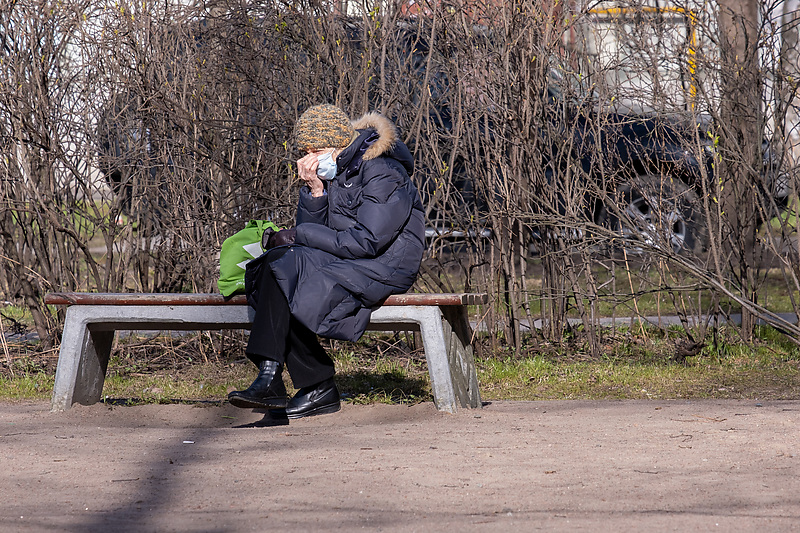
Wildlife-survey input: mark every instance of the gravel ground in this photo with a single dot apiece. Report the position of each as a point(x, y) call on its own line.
point(511, 466)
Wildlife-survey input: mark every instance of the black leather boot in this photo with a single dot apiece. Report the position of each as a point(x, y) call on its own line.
point(318, 399)
point(267, 390)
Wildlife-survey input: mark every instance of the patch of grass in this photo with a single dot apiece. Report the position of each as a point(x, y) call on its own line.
point(384, 369)
point(386, 378)
point(788, 218)
point(204, 382)
point(638, 287)
point(642, 367)
point(33, 386)
point(16, 319)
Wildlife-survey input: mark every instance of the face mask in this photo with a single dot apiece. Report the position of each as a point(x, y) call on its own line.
point(327, 167)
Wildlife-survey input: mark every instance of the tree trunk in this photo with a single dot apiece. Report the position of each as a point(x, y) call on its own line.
point(741, 131)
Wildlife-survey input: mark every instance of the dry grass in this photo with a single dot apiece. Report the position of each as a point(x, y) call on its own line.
point(391, 369)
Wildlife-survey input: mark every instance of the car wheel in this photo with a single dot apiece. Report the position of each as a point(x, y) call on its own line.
point(662, 212)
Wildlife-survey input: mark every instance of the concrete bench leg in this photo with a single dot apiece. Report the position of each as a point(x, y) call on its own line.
point(446, 339)
point(460, 355)
point(82, 361)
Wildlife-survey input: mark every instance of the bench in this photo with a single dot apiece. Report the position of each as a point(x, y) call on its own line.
point(93, 318)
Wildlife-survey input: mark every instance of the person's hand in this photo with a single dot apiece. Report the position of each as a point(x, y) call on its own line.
point(307, 171)
point(281, 238)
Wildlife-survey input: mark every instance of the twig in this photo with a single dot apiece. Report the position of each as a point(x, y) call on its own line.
point(5, 347)
point(630, 282)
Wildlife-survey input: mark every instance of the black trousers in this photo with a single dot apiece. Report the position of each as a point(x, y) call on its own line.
point(278, 336)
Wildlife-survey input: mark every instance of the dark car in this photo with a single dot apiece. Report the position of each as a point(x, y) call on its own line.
point(658, 161)
point(641, 169)
point(643, 162)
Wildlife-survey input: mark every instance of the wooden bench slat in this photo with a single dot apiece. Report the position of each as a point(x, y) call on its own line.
point(100, 298)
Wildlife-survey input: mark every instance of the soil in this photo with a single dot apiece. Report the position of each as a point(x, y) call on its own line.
point(678, 465)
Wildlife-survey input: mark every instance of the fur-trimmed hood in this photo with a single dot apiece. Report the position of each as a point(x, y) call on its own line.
point(387, 134)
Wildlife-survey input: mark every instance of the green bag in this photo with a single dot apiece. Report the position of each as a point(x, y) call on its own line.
point(238, 250)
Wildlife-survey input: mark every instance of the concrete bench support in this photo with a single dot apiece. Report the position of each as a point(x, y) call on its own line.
point(89, 333)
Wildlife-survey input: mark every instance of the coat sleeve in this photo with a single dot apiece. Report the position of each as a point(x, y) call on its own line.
point(385, 208)
point(310, 209)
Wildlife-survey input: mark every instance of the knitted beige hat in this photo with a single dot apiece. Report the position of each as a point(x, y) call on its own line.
point(323, 126)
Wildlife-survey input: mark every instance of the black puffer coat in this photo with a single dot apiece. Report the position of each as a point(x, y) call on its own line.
point(360, 242)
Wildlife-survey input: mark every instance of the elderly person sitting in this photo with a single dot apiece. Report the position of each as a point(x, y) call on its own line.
point(359, 238)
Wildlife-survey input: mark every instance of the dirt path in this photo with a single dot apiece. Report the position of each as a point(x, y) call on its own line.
point(512, 466)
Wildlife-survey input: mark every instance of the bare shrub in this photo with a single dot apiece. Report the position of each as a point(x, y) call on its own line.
point(136, 137)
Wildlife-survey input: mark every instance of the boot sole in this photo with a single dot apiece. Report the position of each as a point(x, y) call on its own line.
point(249, 403)
point(320, 410)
